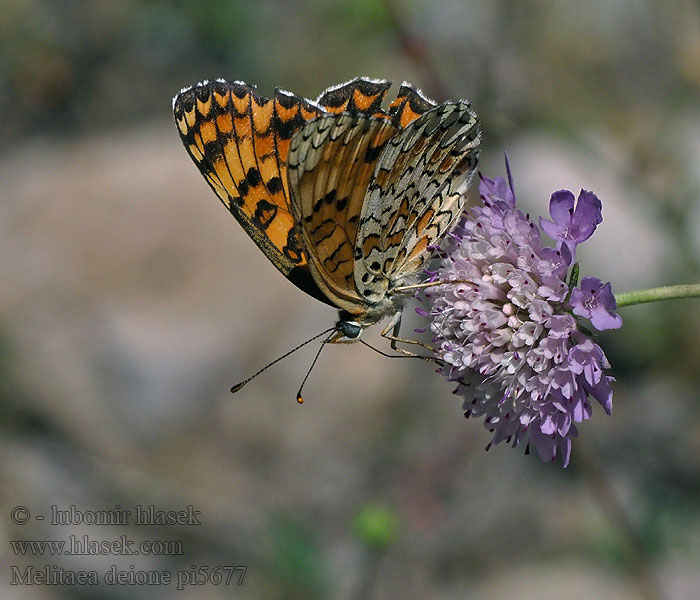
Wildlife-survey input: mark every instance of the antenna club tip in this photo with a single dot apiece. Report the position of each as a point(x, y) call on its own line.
point(238, 386)
point(300, 400)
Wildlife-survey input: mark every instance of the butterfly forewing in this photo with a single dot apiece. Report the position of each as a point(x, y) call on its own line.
point(331, 161)
point(410, 104)
point(359, 95)
point(415, 196)
point(240, 141)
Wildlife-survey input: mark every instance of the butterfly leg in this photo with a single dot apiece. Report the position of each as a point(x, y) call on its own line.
point(395, 326)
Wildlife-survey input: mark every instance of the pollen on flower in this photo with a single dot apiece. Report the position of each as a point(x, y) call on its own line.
point(506, 330)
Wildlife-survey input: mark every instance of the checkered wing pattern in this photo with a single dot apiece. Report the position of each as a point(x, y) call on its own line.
point(343, 197)
point(239, 140)
point(416, 193)
point(331, 161)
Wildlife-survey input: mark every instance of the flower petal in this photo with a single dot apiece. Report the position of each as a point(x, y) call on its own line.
point(561, 207)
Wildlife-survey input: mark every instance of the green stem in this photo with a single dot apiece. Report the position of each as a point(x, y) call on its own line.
point(661, 293)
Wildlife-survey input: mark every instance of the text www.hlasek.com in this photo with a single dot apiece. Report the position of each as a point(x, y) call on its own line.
point(84, 546)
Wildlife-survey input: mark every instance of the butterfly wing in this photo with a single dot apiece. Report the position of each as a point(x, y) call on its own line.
point(416, 193)
point(240, 142)
point(331, 161)
point(357, 96)
point(410, 104)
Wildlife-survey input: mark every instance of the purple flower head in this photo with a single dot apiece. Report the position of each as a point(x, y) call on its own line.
point(498, 190)
point(505, 329)
point(595, 301)
point(497, 193)
point(571, 226)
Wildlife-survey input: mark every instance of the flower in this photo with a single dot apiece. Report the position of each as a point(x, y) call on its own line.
point(596, 302)
point(569, 225)
point(506, 328)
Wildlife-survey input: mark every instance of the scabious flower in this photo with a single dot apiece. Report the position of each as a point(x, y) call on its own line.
point(596, 302)
point(571, 226)
point(506, 329)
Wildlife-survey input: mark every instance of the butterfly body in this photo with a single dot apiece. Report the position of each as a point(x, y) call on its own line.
point(346, 199)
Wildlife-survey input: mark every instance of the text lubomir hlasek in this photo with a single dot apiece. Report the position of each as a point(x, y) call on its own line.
point(140, 515)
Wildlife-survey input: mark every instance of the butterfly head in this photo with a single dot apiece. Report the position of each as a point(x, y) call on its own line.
point(347, 329)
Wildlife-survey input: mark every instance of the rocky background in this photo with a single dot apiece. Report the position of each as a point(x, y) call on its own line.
point(130, 302)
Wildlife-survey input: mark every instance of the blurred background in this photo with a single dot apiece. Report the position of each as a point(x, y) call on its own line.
point(130, 302)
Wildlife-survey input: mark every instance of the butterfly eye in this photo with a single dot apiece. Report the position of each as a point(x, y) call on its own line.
point(349, 329)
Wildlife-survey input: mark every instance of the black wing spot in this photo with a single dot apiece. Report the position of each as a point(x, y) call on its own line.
point(274, 185)
point(213, 150)
point(286, 129)
point(451, 124)
point(265, 212)
point(186, 102)
point(286, 101)
point(374, 266)
point(202, 92)
point(432, 124)
point(243, 188)
point(206, 168)
point(253, 176)
point(328, 199)
point(293, 250)
point(240, 89)
point(373, 153)
point(341, 204)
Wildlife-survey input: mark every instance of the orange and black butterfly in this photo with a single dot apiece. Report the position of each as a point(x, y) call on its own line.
point(346, 199)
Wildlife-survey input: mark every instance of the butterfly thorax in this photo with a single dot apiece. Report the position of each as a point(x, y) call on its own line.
point(349, 327)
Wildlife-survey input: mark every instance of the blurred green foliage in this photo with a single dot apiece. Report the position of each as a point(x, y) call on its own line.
point(376, 526)
point(297, 563)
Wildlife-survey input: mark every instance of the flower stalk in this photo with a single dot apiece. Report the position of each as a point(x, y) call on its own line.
point(669, 292)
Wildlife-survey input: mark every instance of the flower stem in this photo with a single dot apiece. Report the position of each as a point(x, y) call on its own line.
point(691, 290)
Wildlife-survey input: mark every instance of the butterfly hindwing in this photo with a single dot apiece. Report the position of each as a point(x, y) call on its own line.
point(416, 193)
point(331, 162)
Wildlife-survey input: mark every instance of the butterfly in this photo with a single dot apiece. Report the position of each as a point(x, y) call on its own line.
point(346, 199)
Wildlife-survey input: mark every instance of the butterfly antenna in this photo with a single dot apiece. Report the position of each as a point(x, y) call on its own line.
point(300, 399)
point(238, 386)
